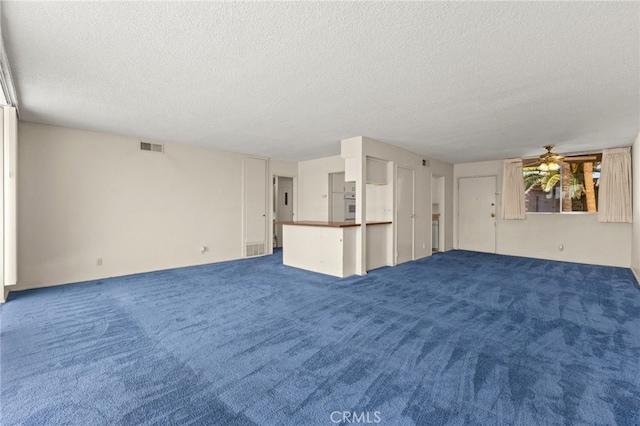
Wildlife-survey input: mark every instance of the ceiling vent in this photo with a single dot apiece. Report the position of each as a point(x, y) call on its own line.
point(153, 147)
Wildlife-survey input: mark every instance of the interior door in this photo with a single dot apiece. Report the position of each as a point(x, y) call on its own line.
point(405, 216)
point(477, 214)
point(256, 192)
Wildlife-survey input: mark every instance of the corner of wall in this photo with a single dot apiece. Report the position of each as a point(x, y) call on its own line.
point(636, 276)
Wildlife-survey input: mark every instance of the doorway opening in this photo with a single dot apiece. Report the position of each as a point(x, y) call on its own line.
point(282, 206)
point(437, 213)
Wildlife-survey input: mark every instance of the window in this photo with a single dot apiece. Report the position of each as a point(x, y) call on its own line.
point(571, 188)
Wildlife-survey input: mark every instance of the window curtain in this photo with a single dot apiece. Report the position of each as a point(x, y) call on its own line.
point(8, 194)
point(614, 195)
point(513, 190)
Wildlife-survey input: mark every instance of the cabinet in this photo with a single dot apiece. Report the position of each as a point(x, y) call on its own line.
point(337, 182)
point(350, 187)
point(338, 185)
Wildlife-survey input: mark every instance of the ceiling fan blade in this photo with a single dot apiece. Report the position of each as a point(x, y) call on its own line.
point(530, 162)
point(557, 158)
point(581, 158)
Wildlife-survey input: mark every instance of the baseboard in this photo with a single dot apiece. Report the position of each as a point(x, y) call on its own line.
point(637, 275)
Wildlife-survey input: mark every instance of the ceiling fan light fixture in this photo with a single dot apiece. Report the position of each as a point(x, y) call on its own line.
point(553, 166)
point(549, 161)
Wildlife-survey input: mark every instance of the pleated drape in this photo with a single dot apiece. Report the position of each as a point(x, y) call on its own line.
point(614, 195)
point(513, 206)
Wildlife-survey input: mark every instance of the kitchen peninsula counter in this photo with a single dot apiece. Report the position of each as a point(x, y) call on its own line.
point(346, 224)
point(325, 247)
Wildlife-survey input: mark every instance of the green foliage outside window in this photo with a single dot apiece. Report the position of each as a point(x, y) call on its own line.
point(572, 188)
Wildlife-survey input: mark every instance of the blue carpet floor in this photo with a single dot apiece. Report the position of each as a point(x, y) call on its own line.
point(458, 338)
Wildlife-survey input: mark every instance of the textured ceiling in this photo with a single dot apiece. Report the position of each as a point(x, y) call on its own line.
point(462, 81)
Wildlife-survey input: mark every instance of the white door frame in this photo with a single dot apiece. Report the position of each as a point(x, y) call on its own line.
point(271, 206)
point(273, 199)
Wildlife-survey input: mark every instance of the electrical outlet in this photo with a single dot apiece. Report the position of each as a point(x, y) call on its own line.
point(424, 246)
point(99, 261)
point(204, 249)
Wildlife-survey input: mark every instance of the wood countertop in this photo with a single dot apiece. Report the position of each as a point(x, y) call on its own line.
point(330, 224)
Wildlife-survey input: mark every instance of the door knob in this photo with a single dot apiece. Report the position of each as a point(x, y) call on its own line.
point(493, 215)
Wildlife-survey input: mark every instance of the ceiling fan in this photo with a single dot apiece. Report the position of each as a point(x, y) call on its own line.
point(551, 161)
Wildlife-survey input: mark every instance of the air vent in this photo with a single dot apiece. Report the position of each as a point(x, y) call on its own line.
point(153, 147)
point(255, 249)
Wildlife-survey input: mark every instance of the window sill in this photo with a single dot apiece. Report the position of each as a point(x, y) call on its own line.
point(561, 213)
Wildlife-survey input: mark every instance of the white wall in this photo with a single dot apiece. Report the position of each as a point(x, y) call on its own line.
point(313, 187)
point(86, 195)
point(539, 236)
point(635, 242)
point(283, 168)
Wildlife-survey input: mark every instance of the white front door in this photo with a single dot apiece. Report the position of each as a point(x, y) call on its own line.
point(477, 214)
point(404, 214)
point(255, 206)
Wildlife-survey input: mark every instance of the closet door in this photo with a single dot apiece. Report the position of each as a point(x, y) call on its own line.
point(405, 216)
point(256, 191)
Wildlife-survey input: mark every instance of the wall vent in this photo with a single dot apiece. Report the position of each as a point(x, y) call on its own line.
point(255, 249)
point(153, 147)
